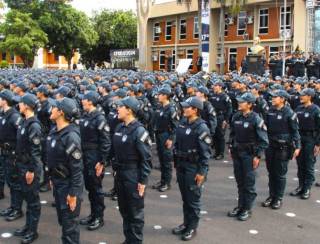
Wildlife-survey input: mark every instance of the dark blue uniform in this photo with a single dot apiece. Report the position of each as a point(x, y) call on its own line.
point(28, 159)
point(223, 106)
point(132, 149)
point(284, 138)
point(96, 144)
point(208, 114)
point(65, 167)
point(192, 151)
point(9, 123)
point(248, 139)
point(309, 128)
point(166, 122)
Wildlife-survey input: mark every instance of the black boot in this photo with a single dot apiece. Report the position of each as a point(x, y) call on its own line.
point(189, 235)
point(305, 194)
point(234, 213)
point(296, 192)
point(86, 220)
point(96, 224)
point(179, 229)
point(6, 212)
point(164, 188)
point(267, 202)
point(276, 204)
point(22, 231)
point(14, 215)
point(29, 237)
point(244, 215)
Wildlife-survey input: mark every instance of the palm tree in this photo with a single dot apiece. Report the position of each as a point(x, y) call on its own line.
point(234, 7)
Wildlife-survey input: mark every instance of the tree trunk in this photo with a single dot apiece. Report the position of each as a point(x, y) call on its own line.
point(69, 62)
point(221, 37)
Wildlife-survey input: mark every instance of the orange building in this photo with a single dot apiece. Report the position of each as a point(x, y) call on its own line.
point(173, 32)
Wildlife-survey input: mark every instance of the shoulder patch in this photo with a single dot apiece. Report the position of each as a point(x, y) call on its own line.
point(107, 128)
point(36, 140)
point(144, 136)
point(76, 154)
point(71, 148)
point(101, 125)
point(174, 115)
point(18, 121)
point(294, 116)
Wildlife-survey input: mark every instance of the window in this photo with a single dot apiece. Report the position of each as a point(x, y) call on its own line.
point(273, 51)
point(183, 29)
point(249, 51)
point(232, 59)
point(190, 56)
point(156, 32)
point(173, 66)
point(285, 20)
point(196, 27)
point(162, 60)
point(168, 30)
point(242, 23)
point(263, 21)
point(226, 26)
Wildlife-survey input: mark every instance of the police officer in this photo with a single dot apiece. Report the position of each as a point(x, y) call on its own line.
point(28, 163)
point(9, 122)
point(65, 167)
point(248, 140)
point(165, 124)
point(192, 151)
point(43, 114)
point(284, 138)
point(96, 144)
point(223, 106)
point(309, 128)
point(132, 149)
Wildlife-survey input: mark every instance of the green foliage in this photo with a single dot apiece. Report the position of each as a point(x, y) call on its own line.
point(68, 30)
point(4, 64)
point(116, 30)
point(22, 36)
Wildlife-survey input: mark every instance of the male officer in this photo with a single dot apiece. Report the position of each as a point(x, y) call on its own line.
point(165, 124)
point(248, 140)
point(9, 123)
point(309, 128)
point(43, 114)
point(132, 150)
point(96, 144)
point(223, 106)
point(192, 151)
point(284, 138)
point(28, 162)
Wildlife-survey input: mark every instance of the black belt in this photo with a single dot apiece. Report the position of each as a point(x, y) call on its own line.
point(127, 166)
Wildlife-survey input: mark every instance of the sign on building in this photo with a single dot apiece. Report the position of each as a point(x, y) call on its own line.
point(205, 34)
point(124, 58)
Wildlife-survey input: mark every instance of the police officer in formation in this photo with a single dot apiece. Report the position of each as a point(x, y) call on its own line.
point(65, 163)
point(309, 128)
point(248, 140)
point(165, 124)
point(284, 139)
point(96, 144)
point(191, 157)
point(132, 149)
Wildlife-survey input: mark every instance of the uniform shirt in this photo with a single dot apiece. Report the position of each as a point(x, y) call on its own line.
point(28, 147)
point(223, 106)
point(166, 120)
point(95, 134)
point(208, 114)
point(309, 121)
point(9, 124)
point(132, 146)
point(43, 114)
point(249, 129)
point(283, 125)
point(194, 138)
point(64, 148)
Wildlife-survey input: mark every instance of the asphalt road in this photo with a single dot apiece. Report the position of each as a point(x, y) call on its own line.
point(164, 211)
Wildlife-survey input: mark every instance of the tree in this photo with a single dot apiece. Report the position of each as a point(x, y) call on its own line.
point(234, 6)
point(116, 30)
point(68, 29)
point(22, 36)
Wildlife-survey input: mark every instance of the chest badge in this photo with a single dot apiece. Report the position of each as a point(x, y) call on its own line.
point(22, 131)
point(306, 115)
point(279, 116)
point(124, 138)
point(53, 143)
point(188, 131)
point(161, 113)
point(245, 124)
point(86, 123)
point(3, 121)
point(218, 99)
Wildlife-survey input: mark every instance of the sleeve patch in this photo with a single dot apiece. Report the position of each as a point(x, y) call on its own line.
point(294, 116)
point(101, 125)
point(76, 154)
point(174, 115)
point(71, 148)
point(208, 140)
point(18, 121)
point(36, 140)
point(144, 136)
point(203, 135)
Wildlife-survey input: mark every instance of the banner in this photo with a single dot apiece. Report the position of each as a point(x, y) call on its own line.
point(183, 66)
point(205, 34)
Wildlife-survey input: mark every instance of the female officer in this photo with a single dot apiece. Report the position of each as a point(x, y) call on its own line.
point(132, 149)
point(191, 155)
point(96, 145)
point(248, 140)
point(65, 167)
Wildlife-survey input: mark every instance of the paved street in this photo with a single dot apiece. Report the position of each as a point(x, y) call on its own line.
point(266, 225)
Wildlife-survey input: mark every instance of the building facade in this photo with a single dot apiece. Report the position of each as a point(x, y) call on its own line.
point(173, 32)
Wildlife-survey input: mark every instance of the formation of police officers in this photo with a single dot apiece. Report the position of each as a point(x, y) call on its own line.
point(59, 130)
